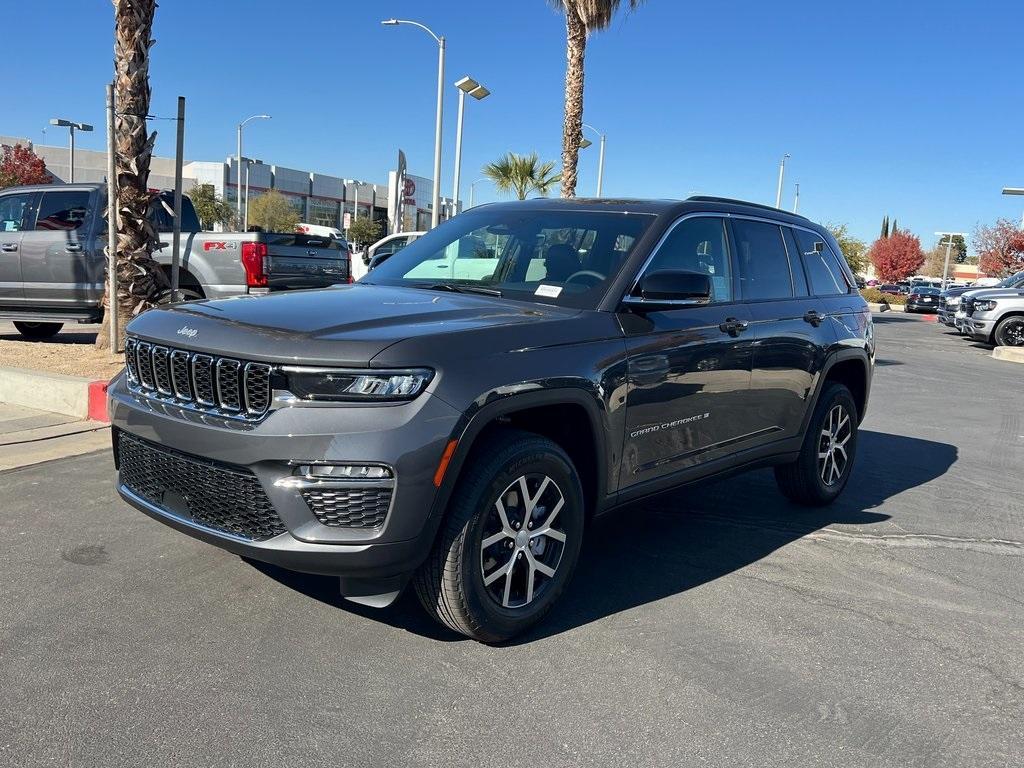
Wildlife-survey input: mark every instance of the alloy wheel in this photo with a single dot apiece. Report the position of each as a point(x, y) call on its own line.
point(522, 544)
point(1012, 333)
point(832, 456)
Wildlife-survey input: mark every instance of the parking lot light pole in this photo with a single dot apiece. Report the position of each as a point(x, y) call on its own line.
point(435, 213)
point(72, 126)
point(1015, 191)
point(238, 178)
point(478, 92)
point(782, 173)
point(472, 190)
point(949, 248)
point(600, 159)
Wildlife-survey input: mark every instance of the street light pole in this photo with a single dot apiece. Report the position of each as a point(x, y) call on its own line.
point(796, 200)
point(435, 213)
point(472, 190)
point(782, 173)
point(600, 159)
point(1015, 191)
point(478, 92)
point(71, 125)
point(238, 168)
point(949, 247)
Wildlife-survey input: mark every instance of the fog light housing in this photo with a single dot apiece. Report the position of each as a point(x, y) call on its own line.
point(346, 471)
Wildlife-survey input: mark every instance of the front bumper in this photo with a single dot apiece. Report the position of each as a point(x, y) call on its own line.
point(408, 437)
point(979, 327)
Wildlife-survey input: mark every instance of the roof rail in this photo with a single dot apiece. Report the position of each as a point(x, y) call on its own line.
point(734, 201)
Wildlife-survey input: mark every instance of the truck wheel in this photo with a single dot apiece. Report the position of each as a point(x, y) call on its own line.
point(510, 539)
point(820, 473)
point(1010, 332)
point(37, 331)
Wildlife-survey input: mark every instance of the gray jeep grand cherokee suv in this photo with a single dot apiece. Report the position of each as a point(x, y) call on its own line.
point(457, 418)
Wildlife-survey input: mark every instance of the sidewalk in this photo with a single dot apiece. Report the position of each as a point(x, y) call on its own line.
point(28, 436)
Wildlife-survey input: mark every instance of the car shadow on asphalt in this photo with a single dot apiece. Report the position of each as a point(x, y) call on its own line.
point(672, 543)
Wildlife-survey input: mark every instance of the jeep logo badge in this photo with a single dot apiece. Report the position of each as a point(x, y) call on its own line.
point(186, 331)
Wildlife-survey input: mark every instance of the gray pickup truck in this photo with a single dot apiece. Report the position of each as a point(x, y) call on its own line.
point(52, 261)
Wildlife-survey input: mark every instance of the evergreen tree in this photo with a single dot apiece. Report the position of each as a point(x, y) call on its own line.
point(885, 228)
point(895, 228)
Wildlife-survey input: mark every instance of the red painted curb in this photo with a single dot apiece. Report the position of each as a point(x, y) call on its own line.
point(98, 401)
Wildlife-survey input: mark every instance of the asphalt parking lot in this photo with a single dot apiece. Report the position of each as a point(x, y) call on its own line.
point(716, 626)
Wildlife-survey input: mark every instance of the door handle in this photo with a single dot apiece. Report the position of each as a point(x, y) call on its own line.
point(73, 247)
point(733, 326)
point(9, 247)
point(811, 316)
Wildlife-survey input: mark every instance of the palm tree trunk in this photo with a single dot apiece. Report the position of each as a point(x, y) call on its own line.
point(572, 127)
point(139, 277)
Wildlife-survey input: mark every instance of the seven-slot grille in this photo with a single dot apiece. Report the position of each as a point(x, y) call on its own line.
point(211, 494)
point(229, 386)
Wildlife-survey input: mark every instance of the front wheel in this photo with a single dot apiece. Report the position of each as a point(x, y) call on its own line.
point(38, 331)
point(509, 542)
point(821, 471)
point(1010, 332)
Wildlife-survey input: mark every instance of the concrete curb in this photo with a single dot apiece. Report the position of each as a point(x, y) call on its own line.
point(54, 392)
point(1010, 354)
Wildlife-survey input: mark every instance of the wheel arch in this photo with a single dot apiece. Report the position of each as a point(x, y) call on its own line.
point(852, 368)
point(578, 431)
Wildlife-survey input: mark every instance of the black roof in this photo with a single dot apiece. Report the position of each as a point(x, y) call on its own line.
point(659, 207)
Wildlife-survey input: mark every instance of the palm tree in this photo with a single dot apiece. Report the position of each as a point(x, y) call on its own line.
point(139, 277)
point(521, 174)
point(582, 18)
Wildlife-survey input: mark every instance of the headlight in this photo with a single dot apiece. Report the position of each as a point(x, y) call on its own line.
point(984, 306)
point(347, 385)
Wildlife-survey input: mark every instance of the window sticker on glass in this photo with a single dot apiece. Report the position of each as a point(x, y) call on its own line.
point(551, 291)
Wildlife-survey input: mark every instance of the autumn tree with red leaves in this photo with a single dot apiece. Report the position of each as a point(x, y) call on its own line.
point(20, 165)
point(1000, 248)
point(897, 256)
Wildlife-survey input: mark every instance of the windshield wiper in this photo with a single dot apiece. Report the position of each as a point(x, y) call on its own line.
point(454, 288)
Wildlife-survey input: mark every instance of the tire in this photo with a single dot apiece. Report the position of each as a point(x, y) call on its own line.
point(451, 583)
point(184, 294)
point(1010, 332)
point(821, 472)
point(38, 331)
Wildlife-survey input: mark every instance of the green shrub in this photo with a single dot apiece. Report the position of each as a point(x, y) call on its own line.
point(875, 296)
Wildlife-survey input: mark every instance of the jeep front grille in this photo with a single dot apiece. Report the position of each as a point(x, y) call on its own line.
point(199, 381)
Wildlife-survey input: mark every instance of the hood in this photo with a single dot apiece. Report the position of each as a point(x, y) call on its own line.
point(991, 293)
point(345, 325)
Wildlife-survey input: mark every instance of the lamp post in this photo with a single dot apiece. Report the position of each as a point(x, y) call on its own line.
point(1015, 191)
point(796, 199)
point(782, 173)
point(478, 92)
point(949, 247)
point(435, 213)
point(472, 189)
point(355, 200)
point(71, 125)
point(600, 159)
point(238, 180)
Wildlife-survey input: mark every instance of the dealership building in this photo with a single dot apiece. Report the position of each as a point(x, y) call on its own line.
point(318, 198)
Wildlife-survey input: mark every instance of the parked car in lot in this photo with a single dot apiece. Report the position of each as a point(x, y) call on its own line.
point(457, 418)
point(387, 247)
point(52, 259)
point(950, 311)
point(896, 289)
point(995, 316)
point(923, 299)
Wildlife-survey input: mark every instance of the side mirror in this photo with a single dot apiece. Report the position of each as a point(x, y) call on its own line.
point(672, 286)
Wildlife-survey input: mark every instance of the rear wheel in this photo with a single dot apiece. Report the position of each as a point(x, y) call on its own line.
point(38, 331)
point(821, 471)
point(509, 542)
point(1010, 332)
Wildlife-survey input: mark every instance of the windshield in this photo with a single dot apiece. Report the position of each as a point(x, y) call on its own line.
point(922, 290)
point(562, 257)
point(1012, 281)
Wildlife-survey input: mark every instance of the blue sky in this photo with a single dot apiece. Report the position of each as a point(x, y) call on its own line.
point(911, 109)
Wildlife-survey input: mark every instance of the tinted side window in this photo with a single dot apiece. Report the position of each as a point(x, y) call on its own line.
point(799, 278)
point(826, 275)
point(698, 245)
point(12, 211)
point(763, 263)
point(62, 211)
